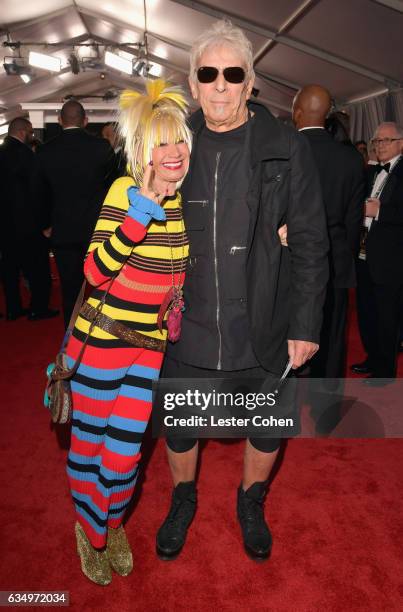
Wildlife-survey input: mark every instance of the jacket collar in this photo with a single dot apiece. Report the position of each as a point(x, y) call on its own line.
point(270, 139)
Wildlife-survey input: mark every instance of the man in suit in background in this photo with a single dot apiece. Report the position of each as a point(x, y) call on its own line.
point(22, 244)
point(341, 172)
point(73, 173)
point(109, 131)
point(380, 281)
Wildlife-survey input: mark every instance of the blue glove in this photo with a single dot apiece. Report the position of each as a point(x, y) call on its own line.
point(142, 209)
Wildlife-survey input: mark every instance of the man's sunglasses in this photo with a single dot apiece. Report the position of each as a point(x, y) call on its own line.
point(233, 74)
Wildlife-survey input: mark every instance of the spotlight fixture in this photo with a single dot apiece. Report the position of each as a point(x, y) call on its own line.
point(143, 68)
point(92, 63)
point(16, 66)
point(139, 67)
point(47, 62)
point(74, 63)
point(118, 63)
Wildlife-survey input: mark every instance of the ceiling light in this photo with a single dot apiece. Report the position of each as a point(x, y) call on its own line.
point(118, 63)
point(154, 69)
point(47, 62)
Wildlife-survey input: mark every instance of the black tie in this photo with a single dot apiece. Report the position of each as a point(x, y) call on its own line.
point(379, 168)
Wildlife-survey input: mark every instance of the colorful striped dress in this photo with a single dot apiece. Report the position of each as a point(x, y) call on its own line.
point(112, 389)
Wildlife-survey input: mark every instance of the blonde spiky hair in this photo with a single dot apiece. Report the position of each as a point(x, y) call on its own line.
point(148, 120)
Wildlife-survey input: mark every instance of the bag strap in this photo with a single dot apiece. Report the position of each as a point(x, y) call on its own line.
point(59, 373)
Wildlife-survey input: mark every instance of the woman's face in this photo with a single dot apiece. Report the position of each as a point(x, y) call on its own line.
point(171, 161)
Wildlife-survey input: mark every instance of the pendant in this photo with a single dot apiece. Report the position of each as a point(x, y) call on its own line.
point(173, 302)
point(174, 321)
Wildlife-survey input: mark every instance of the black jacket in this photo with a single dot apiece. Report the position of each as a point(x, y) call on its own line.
point(285, 286)
point(17, 207)
point(385, 239)
point(72, 174)
point(342, 177)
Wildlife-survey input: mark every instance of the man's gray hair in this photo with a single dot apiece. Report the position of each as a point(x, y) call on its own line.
point(222, 33)
point(392, 124)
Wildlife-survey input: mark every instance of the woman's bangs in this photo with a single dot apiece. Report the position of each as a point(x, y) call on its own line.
point(168, 129)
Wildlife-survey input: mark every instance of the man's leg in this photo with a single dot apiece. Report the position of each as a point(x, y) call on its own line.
point(257, 464)
point(329, 361)
point(70, 265)
point(36, 268)
point(367, 319)
point(182, 458)
point(388, 299)
point(183, 464)
point(259, 458)
point(11, 265)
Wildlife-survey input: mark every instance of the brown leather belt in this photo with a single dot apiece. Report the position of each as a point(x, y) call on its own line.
point(121, 331)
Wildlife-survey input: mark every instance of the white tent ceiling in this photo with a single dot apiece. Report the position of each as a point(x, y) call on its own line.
point(352, 47)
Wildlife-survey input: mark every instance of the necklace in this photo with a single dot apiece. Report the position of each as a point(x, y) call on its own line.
point(173, 300)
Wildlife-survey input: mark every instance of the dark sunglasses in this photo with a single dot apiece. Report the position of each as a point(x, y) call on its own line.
point(208, 74)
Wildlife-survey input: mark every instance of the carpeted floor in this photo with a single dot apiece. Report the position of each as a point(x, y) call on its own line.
point(335, 509)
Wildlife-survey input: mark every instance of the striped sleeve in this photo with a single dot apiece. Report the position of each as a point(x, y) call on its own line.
point(114, 236)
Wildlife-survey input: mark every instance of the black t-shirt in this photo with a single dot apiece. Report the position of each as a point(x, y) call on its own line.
point(215, 331)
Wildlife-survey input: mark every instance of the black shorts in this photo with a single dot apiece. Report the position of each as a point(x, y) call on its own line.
point(176, 369)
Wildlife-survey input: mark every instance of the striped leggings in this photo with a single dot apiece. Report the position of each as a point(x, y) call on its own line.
point(112, 400)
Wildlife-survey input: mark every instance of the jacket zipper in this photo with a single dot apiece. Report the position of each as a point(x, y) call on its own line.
point(216, 261)
point(204, 202)
point(234, 249)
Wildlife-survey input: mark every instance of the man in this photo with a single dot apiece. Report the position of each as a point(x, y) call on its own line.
point(342, 178)
point(249, 303)
point(111, 135)
point(361, 147)
point(73, 173)
point(22, 245)
point(380, 269)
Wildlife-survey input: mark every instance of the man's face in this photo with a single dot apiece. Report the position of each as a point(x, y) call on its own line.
point(362, 148)
point(109, 133)
point(223, 103)
point(387, 143)
point(28, 135)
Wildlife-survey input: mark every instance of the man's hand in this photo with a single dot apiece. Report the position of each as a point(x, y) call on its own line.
point(282, 234)
point(372, 207)
point(300, 351)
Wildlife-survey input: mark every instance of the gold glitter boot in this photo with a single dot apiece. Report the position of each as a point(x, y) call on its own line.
point(118, 551)
point(94, 563)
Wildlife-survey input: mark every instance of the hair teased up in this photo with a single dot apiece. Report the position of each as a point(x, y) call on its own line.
point(148, 120)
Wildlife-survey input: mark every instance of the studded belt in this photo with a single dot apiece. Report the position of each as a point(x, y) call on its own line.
point(121, 331)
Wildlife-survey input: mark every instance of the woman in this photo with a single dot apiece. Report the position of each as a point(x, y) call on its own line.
point(136, 262)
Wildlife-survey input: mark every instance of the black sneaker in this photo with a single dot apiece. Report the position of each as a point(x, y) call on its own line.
point(256, 534)
point(171, 535)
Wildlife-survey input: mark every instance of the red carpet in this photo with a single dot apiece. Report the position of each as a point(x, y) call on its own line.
point(334, 509)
